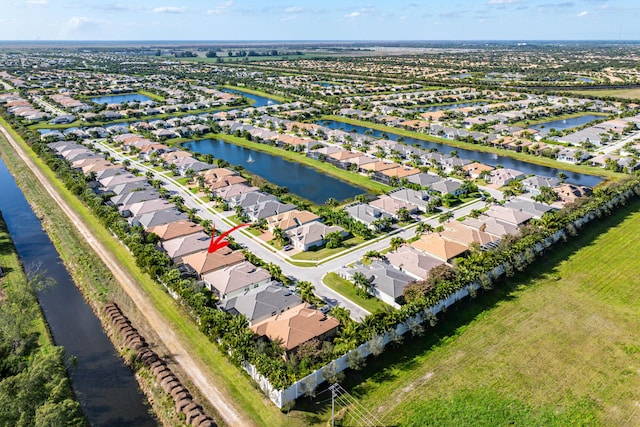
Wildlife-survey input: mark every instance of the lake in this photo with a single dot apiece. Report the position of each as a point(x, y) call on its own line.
point(120, 99)
point(260, 101)
point(545, 127)
point(486, 158)
point(301, 180)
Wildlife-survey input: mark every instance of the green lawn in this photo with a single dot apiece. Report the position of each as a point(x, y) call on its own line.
point(322, 253)
point(631, 93)
point(346, 289)
point(278, 98)
point(556, 345)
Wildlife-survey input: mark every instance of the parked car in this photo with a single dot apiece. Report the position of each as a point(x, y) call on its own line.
point(287, 248)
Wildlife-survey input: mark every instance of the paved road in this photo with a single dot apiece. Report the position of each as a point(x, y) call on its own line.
point(166, 330)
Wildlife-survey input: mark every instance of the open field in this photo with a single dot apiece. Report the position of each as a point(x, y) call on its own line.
point(633, 93)
point(557, 345)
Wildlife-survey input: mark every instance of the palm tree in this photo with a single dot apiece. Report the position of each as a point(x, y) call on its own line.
point(331, 202)
point(396, 242)
point(279, 236)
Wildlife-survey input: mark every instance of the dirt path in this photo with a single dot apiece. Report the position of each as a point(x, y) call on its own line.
point(194, 369)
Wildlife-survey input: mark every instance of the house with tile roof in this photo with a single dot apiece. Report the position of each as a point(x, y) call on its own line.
point(297, 326)
point(235, 279)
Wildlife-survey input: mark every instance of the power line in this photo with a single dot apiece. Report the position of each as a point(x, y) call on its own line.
point(361, 415)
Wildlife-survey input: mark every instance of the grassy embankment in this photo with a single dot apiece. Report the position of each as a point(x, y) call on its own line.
point(278, 98)
point(347, 176)
point(348, 290)
point(539, 160)
point(13, 275)
point(632, 93)
point(556, 345)
point(99, 286)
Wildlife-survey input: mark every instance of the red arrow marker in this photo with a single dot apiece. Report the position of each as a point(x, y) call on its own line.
point(219, 243)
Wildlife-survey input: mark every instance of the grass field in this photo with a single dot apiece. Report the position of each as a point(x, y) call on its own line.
point(633, 93)
point(557, 345)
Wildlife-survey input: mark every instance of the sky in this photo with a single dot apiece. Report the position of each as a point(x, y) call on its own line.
point(319, 20)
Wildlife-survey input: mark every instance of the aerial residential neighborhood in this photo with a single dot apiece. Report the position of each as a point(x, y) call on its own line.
point(319, 232)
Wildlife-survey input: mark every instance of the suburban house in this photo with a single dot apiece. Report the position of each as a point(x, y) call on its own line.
point(505, 214)
point(531, 207)
point(504, 176)
point(140, 208)
point(236, 279)
point(367, 214)
point(413, 197)
point(424, 180)
point(261, 303)
point(182, 246)
point(175, 229)
point(458, 232)
point(122, 201)
point(533, 184)
point(392, 205)
point(448, 186)
point(491, 225)
point(476, 170)
point(568, 193)
point(204, 262)
point(249, 199)
point(267, 208)
point(386, 282)
point(297, 326)
point(291, 219)
point(439, 247)
point(412, 261)
point(152, 219)
point(233, 190)
point(311, 234)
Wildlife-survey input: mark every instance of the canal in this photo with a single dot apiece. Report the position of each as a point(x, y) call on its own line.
point(486, 158)
point(104, 386)
point(301, 180)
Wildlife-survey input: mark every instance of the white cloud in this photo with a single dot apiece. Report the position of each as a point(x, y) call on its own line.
point(170, 9)
point(294, 9)
point(583, 13)
point(80, 23)
point(220, 8)
point(37, 2)
point(352, 15)
point(503, 1)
